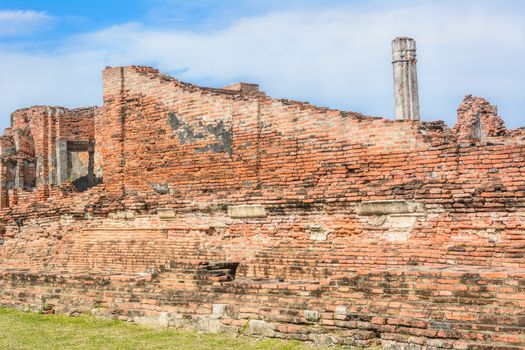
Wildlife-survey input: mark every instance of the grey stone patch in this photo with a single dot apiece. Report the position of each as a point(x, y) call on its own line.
point(247, 211)
point(401, 221)
point(207, 207)
point(392, 345)
point(433, 175)
point(395, 220)
point(491, 234)
point(78, 172)
point(218, 310)
point(319, 236)
point(389, 207)
point(323, 340)
point(341, 311)
point(173, 121)
point(210, 325)
point(39, 167)
point(389, 345)
point(178, 321)
point(52, 173)
point(162, 321)
point(123, 215)
point(9, 184)
point(66, 219)
point(311, 315)
point(434, 343)
point(160, 188)
point(397, 236)
point(377, 221)
point(224, 138)
point(99, 170)
point(187, 133)
point(8, 151)
point(318, 232)
point(262, 328)
point(441, 325)
point(102, 314)
point(78, 168)
point(61, 161)
point(399, 227)
point(477, 132)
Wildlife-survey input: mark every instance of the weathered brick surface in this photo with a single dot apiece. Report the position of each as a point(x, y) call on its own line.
point(224, 208)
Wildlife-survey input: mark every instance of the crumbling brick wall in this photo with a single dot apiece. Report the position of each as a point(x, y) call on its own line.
point(223, 208)
point(478, 120)
point(36, 133)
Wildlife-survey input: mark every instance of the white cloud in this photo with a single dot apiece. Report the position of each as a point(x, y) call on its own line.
point(17, 22)
point(337, 57)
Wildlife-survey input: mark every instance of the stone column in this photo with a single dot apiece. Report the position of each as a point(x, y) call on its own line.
point(405, 79)
point(19, 173)
point(19, 169)
point(4, 202)
point(61, 161)
point(91, 164)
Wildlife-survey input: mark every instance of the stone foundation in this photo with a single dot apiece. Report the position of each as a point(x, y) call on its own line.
point(447, 308)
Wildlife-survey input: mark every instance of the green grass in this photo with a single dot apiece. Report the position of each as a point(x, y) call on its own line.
point(20, 330)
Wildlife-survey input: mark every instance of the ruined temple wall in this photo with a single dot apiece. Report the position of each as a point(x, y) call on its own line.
point(176, 133)
point(361, 230)
point(40, 128)
point(173, 144)
point(166, 144)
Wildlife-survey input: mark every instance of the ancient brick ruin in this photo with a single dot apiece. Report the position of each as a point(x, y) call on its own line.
point(227, 210)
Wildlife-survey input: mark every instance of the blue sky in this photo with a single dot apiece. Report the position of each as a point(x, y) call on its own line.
point(329, 52)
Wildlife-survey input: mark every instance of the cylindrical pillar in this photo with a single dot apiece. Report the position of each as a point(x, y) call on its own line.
point(405, 79)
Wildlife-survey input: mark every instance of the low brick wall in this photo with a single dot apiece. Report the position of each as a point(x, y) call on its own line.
point(446, 308)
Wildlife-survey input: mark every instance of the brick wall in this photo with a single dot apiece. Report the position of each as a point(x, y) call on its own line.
point(35, 133)
point(224, 208)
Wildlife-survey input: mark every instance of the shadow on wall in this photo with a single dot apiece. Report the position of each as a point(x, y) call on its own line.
point(85, 182)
